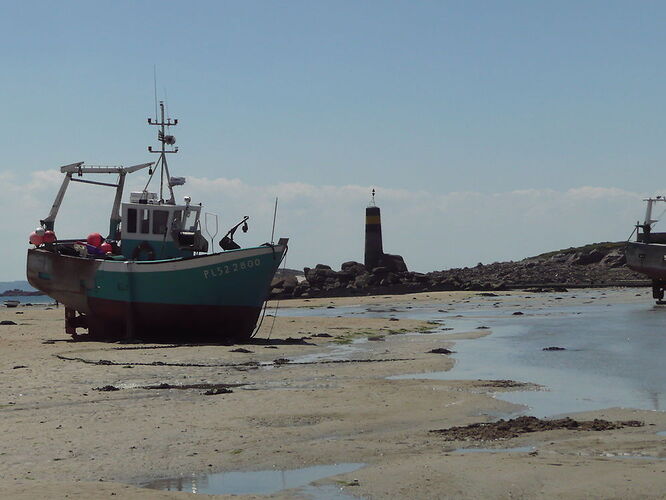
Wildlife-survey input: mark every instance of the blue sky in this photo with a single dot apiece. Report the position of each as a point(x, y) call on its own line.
point(422, 100)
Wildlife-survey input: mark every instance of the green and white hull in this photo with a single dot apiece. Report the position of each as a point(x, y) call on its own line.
point(213, 297)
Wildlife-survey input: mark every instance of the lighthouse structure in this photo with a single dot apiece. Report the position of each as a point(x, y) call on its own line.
point(374, 250)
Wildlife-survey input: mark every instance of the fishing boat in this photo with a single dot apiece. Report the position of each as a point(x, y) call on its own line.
point(11, 303)
point(152, 275)
point(647, 254)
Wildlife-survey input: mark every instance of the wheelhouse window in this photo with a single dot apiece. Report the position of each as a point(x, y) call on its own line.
point(131, 220)
point(176, 220)
point(160, 221)
point(145, 221)
point(191, 219)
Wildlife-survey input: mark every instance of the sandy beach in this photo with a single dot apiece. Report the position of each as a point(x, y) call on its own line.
point(305, 396)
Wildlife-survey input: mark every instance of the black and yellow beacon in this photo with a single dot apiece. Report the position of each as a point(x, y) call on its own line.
point(374, 251)
point(373, 235)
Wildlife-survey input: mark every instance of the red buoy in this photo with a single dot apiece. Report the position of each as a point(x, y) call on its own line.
point(94, 239)
point(49, 237)
point(106, 248)
point(36, 239)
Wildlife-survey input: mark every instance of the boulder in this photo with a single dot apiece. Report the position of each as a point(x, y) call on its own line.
point(362, 281)
point(614, 258)
point(277, 283)
point(320, 274)
point(379, 271)
point(419, 277)
point(301, 289)
point(394, 262)
point(353, 267)
point(344, 277)
point(584, 259)
point(289, 283)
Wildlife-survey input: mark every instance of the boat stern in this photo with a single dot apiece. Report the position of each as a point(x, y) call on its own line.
point(64, 278)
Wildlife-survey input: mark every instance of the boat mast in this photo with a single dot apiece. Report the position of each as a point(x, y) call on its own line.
point(165, 140)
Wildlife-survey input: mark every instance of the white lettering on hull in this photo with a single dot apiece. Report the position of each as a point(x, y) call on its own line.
point(219, 271)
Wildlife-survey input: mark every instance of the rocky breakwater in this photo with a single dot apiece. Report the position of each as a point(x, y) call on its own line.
point(601, 264)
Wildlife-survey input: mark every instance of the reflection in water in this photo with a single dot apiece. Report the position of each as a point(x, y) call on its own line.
point(256, 482)
point(191, 485)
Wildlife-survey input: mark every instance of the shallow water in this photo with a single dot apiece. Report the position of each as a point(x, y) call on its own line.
point(261, 482)
point(33, 299)
point(630, 456)
point(335, 353)
point(519, 449)
point(614, 357)
point(614, 345)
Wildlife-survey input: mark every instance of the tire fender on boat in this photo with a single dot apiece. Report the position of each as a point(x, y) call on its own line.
point(142, 247)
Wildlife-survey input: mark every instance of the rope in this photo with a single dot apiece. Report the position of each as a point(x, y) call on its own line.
point(277, 302)
point(150, 177)
point(632, 234)
point(263, 313)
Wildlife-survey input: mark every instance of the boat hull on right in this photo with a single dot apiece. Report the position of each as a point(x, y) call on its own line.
point(647, 254)
point(647, 258)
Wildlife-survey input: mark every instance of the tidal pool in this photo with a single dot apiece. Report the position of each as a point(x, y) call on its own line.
point(262, 482)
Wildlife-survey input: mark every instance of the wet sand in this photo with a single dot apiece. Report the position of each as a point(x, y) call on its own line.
point(325, 400)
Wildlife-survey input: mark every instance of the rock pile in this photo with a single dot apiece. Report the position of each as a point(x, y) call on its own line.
point(507, 429)
point(593, 265)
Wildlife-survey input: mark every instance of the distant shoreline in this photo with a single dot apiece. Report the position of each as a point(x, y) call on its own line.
point(20, 293)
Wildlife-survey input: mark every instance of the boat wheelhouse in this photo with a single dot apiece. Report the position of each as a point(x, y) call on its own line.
point(151, 230)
